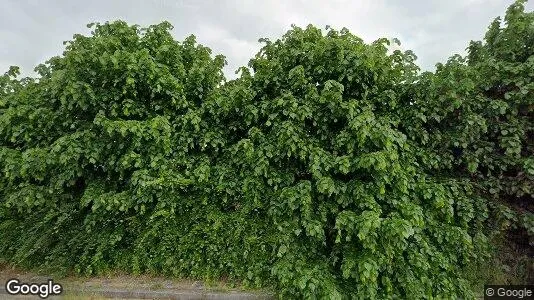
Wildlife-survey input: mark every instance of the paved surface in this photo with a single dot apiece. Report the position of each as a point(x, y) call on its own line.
point(129, 287)
point(115, 293)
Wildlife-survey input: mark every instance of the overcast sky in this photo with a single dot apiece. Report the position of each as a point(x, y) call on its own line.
point(31, 31)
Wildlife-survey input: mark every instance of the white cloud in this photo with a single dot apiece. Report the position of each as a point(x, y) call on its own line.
point(236, 50)
point(32, 31)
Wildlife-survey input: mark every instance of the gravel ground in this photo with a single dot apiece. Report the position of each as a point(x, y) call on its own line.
point(129, 287)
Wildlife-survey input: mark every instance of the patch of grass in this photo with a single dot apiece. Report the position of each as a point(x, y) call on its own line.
point(511, 263)
point(87, 297)
point(156, 286)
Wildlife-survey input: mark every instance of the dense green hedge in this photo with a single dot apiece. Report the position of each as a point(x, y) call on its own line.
point(474, 117)
point(331, 168)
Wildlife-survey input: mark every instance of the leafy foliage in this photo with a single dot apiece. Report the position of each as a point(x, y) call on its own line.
point(320, 156)
point(329, 169)
point(473, 116)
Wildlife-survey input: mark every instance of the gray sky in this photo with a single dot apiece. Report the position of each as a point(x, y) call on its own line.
point(31, 31)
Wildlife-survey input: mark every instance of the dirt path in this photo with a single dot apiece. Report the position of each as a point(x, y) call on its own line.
point(129, 287)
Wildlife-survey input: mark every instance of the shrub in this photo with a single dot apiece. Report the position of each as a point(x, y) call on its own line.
point(473, 118)
point(312, 145)
point(329, 169)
